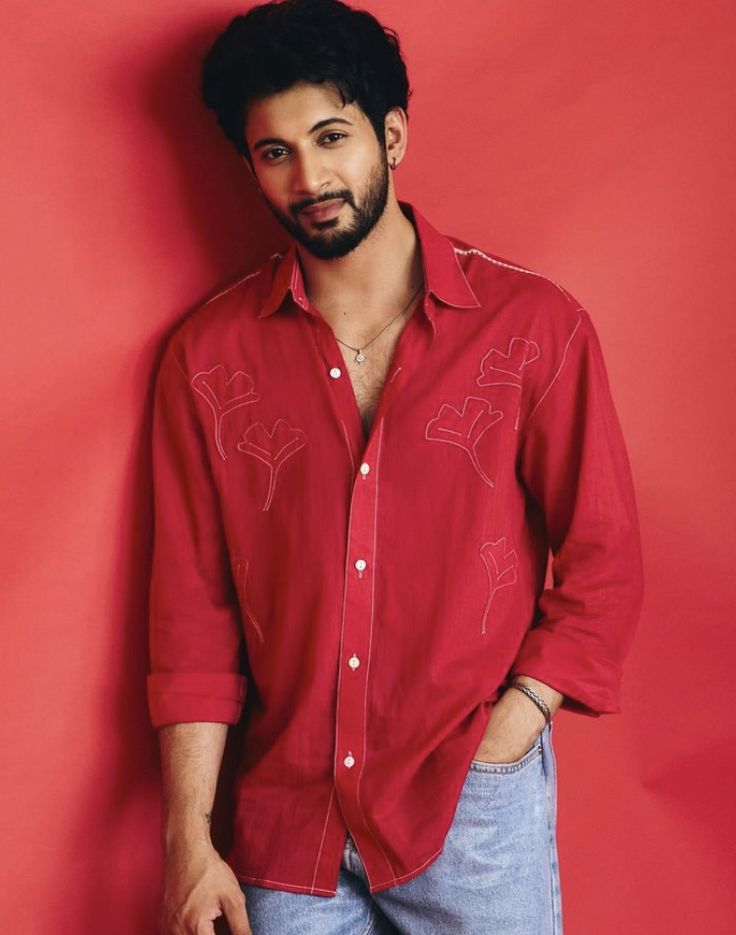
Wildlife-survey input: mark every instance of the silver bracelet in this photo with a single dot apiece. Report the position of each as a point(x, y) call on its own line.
point(539, 702)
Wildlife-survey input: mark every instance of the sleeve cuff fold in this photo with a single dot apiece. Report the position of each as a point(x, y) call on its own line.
point(179, 697)
point(589, 686)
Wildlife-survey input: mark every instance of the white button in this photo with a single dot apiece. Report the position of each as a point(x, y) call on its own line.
point(335, 372)
point(360, 564)
point(353, 661)
point(349, 761)
point(364, 468)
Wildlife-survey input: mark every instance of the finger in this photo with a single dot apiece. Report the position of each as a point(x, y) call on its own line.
point(205, 927)
point(237, 917)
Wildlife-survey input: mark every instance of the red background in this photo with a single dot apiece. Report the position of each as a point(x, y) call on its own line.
point(589, 141)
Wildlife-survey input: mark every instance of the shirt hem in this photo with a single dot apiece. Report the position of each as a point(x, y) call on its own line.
point(405, 877)
point(280, 885)
point(320, 891)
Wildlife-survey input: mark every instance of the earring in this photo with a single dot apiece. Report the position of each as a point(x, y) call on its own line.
point(393, 163)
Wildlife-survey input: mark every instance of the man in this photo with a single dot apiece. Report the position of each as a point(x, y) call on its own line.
point(364, 452)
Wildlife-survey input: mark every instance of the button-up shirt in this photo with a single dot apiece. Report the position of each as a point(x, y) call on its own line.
point(362, 601)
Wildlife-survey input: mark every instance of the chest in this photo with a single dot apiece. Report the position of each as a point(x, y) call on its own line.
point(368, 378)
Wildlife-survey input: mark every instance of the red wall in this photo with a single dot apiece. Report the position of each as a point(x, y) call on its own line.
point(589, 141)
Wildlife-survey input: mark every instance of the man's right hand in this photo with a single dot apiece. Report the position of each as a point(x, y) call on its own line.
point(199, 887)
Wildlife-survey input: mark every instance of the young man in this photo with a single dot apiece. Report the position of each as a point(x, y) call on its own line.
point(363, 453)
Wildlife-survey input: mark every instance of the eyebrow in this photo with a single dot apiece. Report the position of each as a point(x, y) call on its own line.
point(272, 140)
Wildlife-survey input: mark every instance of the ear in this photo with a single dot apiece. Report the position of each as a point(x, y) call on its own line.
point(397, 135)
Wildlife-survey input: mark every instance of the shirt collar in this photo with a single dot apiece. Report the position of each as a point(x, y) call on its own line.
point(443, 275)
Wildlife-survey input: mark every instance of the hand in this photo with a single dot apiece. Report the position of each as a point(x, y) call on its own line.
point(199, 887)
point(512, 728)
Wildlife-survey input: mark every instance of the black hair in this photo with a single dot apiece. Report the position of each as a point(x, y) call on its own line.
point(277, 44)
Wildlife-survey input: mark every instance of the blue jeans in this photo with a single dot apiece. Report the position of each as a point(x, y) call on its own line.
point(497, 874)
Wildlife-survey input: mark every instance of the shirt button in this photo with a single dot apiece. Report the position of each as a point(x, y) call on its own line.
point(360, 564)
point(364, 468)
point(353, 662)
point(349, 760)
point(335, 372)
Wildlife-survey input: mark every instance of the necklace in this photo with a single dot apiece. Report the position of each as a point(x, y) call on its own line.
point(360, 356)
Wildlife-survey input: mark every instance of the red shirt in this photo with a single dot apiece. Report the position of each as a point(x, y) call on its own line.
point(362, 601)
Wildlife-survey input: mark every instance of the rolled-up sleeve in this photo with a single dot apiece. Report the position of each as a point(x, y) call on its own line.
point(574, 464)
point(196, 668)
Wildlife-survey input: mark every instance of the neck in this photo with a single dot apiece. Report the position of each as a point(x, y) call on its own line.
point(363, 285)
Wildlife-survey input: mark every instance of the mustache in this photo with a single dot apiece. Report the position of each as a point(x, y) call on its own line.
point(344, 195)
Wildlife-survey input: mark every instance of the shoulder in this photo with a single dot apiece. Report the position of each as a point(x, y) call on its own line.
point(229, 307)
point(528, 306)
point(536, 299)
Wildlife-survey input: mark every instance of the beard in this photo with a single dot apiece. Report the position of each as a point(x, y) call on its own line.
point(331, 241)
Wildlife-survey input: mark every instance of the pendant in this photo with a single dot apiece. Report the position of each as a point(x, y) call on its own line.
point(360, 357)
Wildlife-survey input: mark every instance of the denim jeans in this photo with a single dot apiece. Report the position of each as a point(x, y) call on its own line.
point(497, 874)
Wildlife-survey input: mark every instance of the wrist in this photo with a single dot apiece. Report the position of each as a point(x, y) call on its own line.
point(186, 834)
point(177, 850)
point(546, 698)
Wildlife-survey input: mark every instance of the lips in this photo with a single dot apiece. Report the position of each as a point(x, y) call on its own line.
point(324, 211)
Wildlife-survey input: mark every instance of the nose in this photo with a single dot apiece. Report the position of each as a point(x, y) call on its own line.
point(311, 176)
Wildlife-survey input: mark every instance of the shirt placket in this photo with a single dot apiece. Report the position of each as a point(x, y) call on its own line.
point(359, 606)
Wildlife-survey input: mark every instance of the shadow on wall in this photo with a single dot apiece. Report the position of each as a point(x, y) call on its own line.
point(226, 209)
point(118, 827)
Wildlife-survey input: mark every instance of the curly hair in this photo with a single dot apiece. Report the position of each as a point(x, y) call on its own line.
point(277, 44)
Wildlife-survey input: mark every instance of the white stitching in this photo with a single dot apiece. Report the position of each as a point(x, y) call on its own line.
point(531, 272)
point(324, 832)
point(232, 286)
point(488, 554)
point(559, 369)
point(413, 872)
point(308, 889)
point(486, 412)
point(347, 442)
point(520, 269)
point(269, 457)
point(225, 406)
point(529, 353)
point(370, 639)
point(342, 639)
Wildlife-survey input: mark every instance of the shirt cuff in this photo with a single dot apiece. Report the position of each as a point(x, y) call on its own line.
point(588, 686)
point(180, 697)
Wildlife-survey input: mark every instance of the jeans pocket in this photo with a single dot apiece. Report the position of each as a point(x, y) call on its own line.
point(484, 766)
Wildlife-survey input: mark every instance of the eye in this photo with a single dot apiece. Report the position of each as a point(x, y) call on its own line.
point(335, 134)
point(274, 153)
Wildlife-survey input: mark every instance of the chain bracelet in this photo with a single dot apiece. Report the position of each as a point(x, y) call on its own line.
point(538, 701)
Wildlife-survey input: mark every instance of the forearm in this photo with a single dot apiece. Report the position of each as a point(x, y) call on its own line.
point(191, 756)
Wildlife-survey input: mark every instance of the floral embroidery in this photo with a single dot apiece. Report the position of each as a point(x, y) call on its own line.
point(224, 395)
point(464, 428)
point(501, 567)
point(504, 367)
point(272, 448)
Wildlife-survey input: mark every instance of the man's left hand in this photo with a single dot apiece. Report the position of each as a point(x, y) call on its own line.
point(516, 722)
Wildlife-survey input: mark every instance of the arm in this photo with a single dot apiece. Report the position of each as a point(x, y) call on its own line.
point(196, 683)
point(197, 656)
point(573, 461)
point(191, 755)
point(198, 885)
